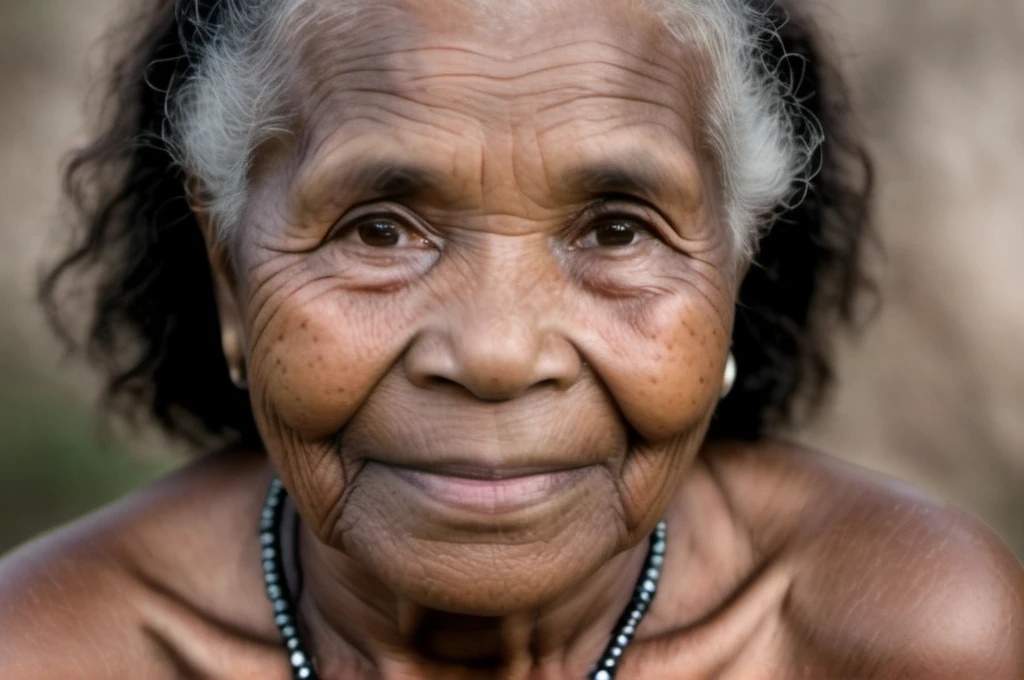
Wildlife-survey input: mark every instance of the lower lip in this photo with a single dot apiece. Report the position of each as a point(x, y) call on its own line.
point(490, 496)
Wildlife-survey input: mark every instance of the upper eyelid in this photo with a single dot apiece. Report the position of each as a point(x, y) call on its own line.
point(640, 213)
point(612, 205)
point(620, 198)
point(411, 222)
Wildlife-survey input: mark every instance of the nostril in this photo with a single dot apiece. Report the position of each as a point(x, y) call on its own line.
point(439, 381)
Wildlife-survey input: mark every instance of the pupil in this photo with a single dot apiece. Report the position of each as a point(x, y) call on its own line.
point(617, 234)
point(379, 234)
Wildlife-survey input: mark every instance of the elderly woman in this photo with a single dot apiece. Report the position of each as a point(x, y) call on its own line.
point(461, 290)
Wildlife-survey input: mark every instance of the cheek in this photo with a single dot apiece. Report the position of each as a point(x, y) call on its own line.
point(316, 352)
point(317, 349)
point(662, 358)
point(312, 366)
point(662, 362)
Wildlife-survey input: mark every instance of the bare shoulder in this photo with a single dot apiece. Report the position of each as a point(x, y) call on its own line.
point(884, 581)
point(154, 586)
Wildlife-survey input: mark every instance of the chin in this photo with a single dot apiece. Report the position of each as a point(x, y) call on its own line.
point(469, 561)
point(495, 582)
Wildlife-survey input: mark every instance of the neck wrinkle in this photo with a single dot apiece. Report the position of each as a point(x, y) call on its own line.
point(709, 543)
point(352, 624)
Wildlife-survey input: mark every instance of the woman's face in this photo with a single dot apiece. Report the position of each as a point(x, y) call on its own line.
point(486, 295)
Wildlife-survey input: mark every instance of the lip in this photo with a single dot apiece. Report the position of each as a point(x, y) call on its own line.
point(489, 491)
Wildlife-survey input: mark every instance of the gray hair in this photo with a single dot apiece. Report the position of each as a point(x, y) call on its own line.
point(235, 100)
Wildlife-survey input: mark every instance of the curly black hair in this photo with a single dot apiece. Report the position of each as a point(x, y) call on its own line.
point(154, 328)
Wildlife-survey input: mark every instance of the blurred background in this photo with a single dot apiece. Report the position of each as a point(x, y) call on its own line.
point(932, 392)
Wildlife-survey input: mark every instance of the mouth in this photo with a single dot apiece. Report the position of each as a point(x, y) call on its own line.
point(489, 490)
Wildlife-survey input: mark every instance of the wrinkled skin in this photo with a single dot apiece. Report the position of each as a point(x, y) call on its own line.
point(484, 321)
point(485, 257)
point(485, 295)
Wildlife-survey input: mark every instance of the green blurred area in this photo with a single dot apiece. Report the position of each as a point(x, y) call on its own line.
point(58, 462)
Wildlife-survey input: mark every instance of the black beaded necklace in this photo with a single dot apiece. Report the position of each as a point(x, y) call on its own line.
point(302, 664)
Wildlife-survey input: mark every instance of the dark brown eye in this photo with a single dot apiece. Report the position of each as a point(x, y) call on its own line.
point(613, 234)
point(380, 234)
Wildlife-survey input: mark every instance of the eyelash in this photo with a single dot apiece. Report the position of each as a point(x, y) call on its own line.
point(348, 228)
point(602, 213)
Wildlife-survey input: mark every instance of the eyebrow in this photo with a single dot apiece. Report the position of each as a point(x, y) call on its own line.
point(323, 184)
point(611, 178)
point(395, 179)
point(635, 175)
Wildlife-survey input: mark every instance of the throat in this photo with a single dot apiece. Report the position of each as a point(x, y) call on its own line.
point(568, 642)
point(473, 642)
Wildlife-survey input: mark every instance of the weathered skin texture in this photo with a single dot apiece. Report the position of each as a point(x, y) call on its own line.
point(493, 250)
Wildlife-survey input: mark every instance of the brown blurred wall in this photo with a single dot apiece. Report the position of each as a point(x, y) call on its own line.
point(933, 392)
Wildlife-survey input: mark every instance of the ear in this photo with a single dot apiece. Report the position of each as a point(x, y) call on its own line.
point(229, 312)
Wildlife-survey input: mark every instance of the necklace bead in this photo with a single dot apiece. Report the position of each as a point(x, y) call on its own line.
point(284, 607)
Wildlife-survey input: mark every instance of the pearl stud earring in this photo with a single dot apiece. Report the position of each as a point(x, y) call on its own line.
point(729, 378)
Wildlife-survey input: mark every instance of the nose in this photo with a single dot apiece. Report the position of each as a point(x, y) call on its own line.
point(496, 344)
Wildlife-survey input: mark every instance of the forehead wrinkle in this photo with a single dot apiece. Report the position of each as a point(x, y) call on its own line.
point(596, 73)
point(405, 22)
point(389, 108)
point(601, 101)
point(517, 67)
point(661, 137)
point(612, 84)
point(501, 104)
point(395, 83)
point(403, 59)
point(352, 99)
point(332, 113)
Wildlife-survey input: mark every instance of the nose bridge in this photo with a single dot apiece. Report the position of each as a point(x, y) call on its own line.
point(500, 334)
point(506, 290)
point(499, 326)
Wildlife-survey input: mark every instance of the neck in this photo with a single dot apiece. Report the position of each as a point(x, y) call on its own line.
point(354, 625)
